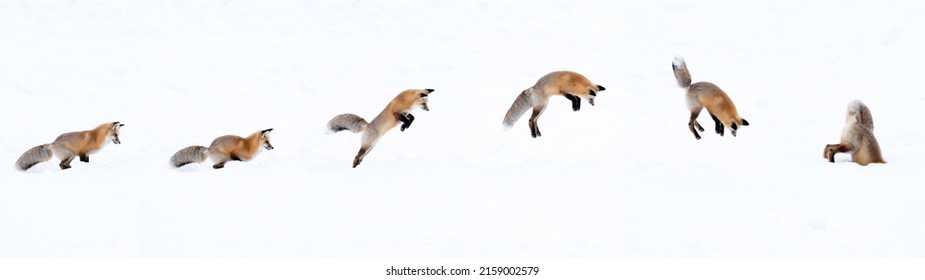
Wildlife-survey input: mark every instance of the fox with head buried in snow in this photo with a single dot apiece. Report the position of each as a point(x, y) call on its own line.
point(398, 110)
point(572, 85)
point(707, 95)
point(857, 137)
point(68, 145)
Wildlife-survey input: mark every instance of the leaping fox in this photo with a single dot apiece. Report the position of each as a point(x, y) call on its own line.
point(397, 111)
point(857, 137)
point(707, 95)
point(68, 145)
point(572, 85)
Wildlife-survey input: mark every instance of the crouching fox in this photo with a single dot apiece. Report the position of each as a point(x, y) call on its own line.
point(398, 110)
point(571, 85)
point(857, 137)
point(225, 148)
point(707, 95)
point(72, 144)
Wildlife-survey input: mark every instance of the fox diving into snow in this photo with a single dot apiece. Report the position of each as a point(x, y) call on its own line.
point(68, 145)
point(857, 137)
point(571, 85)
point(223, 149)
point(397, 111)
point(707, 95)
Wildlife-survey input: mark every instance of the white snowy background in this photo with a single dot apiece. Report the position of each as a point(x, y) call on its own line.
point(624, 178)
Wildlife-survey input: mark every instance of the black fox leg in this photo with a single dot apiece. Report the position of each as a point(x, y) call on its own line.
point(576, 101)
point(219, 165)
point(406, 120)
point(84, 158)
point(719, 125)
point(534, 128)
point(693, 122)
point(235, 157)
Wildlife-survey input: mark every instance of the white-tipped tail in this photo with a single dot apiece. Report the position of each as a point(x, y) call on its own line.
point(34, 156)
point(680, 72)
point(517, 110)
point(349, 122)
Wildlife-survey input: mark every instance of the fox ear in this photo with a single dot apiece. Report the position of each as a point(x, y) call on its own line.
point(600, 88)
point(117, 124)
point(265, 131)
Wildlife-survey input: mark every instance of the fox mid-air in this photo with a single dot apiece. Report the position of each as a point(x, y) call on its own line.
point(397, 111)
point(707, 95)
point(72, 144)
point(571, 85)
point(857, 137)
point(225, 148)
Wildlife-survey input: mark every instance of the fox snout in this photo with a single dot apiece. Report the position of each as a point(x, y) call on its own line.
point(268, 146)
point(424, 106)
point(115, 139)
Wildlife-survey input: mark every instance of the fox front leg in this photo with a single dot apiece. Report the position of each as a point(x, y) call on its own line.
point(406, 119)
point(576, 101)
point(84, 158)
point(719, 126)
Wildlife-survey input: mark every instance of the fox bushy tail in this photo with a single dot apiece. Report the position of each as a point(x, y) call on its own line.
point(31, 157)
point(517, 110)
point(680, 72)
point(191, 154)
point(349, 122)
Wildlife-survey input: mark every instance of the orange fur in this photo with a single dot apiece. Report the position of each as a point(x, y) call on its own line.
point(571, 85)
point(857, 137)
point(397, 111)
point(233, 147)
point(72, 144)
point(707, 95)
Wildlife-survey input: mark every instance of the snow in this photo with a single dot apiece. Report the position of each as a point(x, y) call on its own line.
point(624, 178)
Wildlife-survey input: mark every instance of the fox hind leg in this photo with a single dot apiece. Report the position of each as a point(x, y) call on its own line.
point(832, 149)
point(534, 128)
point(66, 163)
point(360, 155)
point(693, 123)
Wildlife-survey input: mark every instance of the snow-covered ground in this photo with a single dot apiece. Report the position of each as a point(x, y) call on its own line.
point(624, 178)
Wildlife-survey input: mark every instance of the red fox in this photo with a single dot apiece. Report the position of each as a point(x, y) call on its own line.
point(397, 111)
point(572, 85)
point(191, 154)
point(233, 147)
point(71, 144)
point(707, 95)
point(857, 137)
